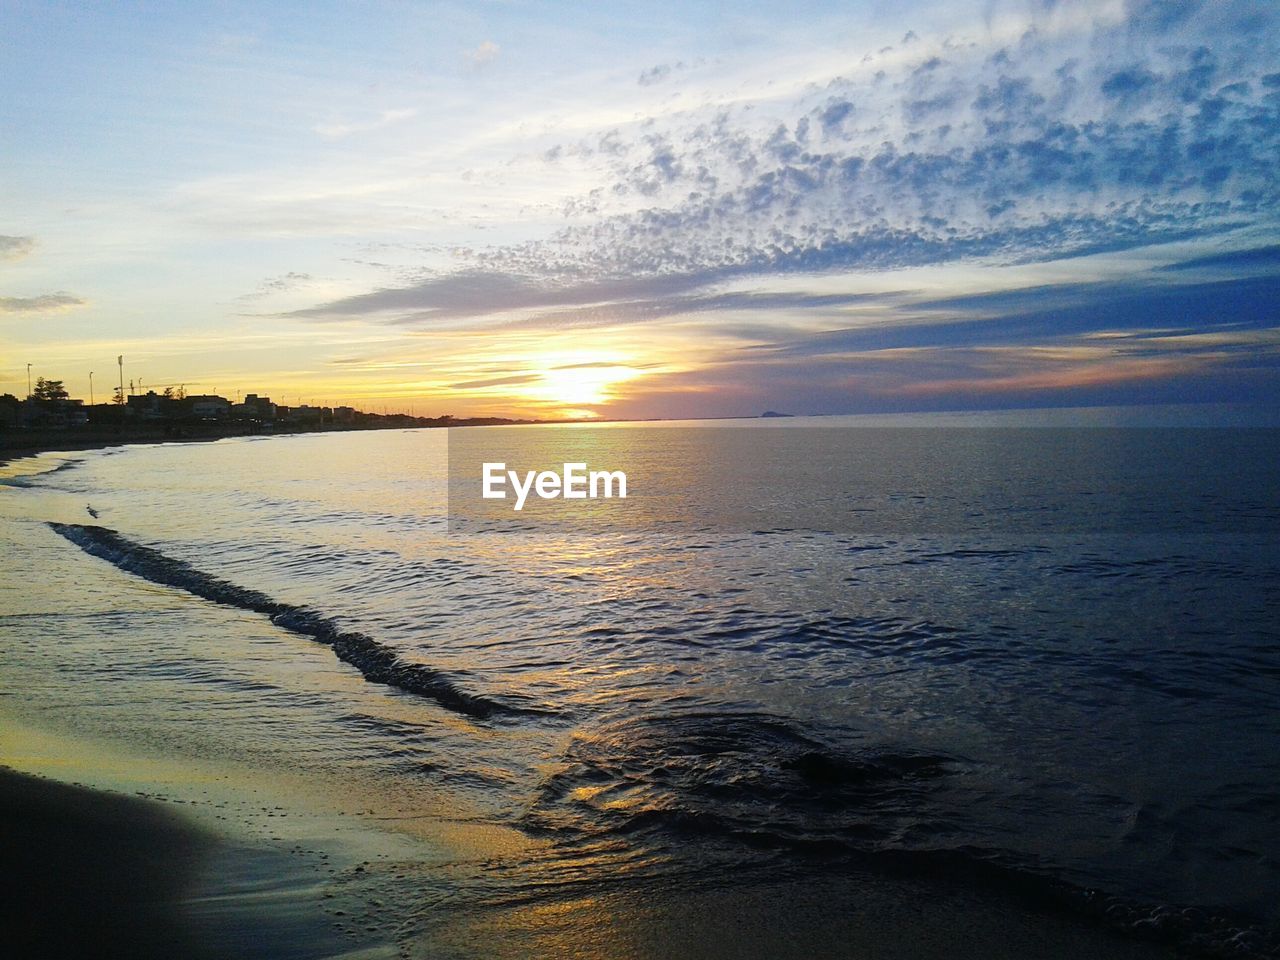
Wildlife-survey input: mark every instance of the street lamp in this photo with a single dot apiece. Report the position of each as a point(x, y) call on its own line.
point(90, 388)
point(28, 381)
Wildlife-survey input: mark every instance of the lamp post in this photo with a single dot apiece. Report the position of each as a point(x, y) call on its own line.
point(28, 381)
point(91, 388)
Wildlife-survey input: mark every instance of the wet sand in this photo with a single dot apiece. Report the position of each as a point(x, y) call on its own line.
point(95, 874)
point(91, 874)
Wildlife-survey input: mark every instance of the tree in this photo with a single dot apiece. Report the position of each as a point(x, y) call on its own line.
point(49, 390)
point(118, 399)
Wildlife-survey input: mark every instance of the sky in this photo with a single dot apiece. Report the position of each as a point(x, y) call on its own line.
point(645, 209)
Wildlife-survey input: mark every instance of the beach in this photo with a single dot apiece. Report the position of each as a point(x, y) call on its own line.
point(98, 874)
point(92, 874)
point(110, 854)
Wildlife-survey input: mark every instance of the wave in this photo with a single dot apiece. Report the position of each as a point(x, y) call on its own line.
point(754, 776)
point(378, 662)
point(654, 786)
point(32, 479)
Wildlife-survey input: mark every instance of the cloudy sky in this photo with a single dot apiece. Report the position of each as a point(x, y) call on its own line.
point(646, 208)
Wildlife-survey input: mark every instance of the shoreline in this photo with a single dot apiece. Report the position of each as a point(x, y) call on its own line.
point(22, 444)
point(103, 874)
point(70, 442)
point(110, 854)
point(108, 875)
point(29, 443)
point(133, 876)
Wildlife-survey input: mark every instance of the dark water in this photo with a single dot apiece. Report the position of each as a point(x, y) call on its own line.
point(1043, 663)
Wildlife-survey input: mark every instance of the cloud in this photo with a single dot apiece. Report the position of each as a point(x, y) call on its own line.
point(285, 282)
point(385, 118)
point(604, 365)
point(583, 304)
point(496, 382)
point(46, 303)
point(1258, 258)
point(659, 73)
point(1126, 85)
point(1045, 148)
point(478, 293)
point(654, 75)
point(1056, 314)
point(658, 306)
point(1074, 135)
point(487, 52)
point(14, 248)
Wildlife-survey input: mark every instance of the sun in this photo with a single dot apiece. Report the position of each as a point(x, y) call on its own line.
point(577, 381)
point(587, 385)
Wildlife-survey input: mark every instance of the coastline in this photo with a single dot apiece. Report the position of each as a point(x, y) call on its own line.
point(27, 443)
point(106, 875)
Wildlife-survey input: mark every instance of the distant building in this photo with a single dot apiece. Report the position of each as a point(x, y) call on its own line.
point(254, 407)
point(150, 406)
point(207, 406)
point(54, 414)
point(344, 414)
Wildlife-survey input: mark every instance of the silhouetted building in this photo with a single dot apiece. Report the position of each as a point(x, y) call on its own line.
point(306, 414)
point(53, 414)
point(254, 407)
point(152, 406)
point(207, 406)
point(10, 411)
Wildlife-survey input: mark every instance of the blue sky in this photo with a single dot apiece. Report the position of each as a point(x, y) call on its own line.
point(646, 209)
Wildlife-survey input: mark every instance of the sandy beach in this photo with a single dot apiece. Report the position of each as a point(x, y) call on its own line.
point(103, 875)
point(97, 874)
point(143, 864)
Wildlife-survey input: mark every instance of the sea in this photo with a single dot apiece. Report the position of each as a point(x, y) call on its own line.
point(813, 688)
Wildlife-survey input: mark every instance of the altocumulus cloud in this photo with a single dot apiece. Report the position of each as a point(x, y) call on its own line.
point(1059, 140)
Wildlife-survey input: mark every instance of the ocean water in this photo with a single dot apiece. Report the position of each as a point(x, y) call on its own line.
point(1040, 667)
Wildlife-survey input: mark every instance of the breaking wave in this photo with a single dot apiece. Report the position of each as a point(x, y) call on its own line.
point(378, 662)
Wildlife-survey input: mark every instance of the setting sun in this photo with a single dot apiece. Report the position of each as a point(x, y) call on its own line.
point(573, 381)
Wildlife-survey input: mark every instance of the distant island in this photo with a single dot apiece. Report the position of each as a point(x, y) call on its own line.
point(774, 413)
